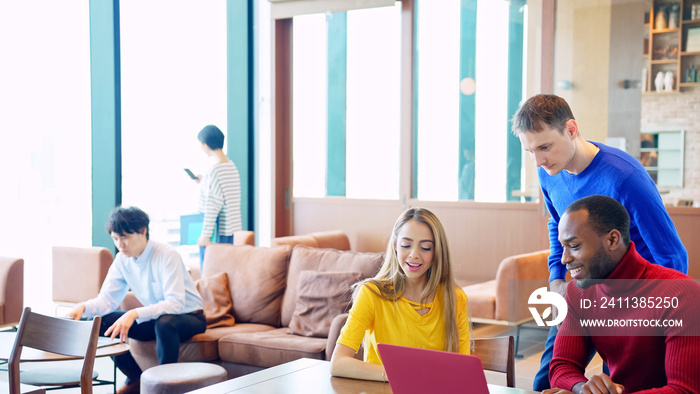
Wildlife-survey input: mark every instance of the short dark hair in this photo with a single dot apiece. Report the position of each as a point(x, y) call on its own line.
point(212, 136)
point(604, 214)
point(127, 220)
point(540, 111)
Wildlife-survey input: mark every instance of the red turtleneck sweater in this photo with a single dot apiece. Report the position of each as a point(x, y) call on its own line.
point(641, 357)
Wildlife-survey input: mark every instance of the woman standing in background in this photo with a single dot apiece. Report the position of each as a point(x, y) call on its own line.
point(220, 193)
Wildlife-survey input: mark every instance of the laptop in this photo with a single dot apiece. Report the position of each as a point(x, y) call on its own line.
point(414, 370)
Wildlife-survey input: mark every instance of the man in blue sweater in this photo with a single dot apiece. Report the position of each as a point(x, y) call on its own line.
point(570, 168)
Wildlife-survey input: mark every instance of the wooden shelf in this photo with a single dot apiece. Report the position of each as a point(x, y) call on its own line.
point(664, 31)
point(668, 42)
point(664, 61)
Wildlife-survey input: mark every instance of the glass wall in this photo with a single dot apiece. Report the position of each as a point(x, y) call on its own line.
point(44, 136)
point(310, 115)
point(173, 84)
point(365, 75)
point(469, 66)
point(373, 94)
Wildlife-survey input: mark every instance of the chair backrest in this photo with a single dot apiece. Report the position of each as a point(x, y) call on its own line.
point(497, 354)
point(11, 290)
point(91, 264)
point(56, 335)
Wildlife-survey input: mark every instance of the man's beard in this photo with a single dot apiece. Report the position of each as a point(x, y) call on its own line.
point(599, 269)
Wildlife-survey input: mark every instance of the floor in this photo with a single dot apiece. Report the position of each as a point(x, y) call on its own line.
point(531, 348)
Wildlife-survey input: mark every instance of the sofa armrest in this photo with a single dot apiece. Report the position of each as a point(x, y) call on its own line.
point(331, 240)
point(244, 237)
point(517, 277)
point(11, 290)
point(293, 240)
point(334, 333)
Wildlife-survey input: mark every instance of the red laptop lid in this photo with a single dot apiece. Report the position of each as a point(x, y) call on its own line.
point(414, 370)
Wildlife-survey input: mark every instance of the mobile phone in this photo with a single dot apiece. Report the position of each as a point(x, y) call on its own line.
point(190, 173)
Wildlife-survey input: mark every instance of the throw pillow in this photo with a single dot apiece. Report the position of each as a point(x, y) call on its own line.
point(217, 300)
point(321, 296)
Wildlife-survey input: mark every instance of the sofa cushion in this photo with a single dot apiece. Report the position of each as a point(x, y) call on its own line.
point(269, 348)
point(481, 298)
point(202, 347)
point(256, 279)
point(304, 258)
point(321, 297)
point(217, 300)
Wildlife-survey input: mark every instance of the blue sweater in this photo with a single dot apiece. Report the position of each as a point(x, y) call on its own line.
point(616, 174)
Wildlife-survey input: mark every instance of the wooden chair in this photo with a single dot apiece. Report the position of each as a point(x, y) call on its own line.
point(497, 354)
point(56, 335)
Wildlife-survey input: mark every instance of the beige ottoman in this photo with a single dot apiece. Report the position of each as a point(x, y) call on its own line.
point(180, 377)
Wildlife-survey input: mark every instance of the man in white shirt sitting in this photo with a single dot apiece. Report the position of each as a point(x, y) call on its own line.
point(154, 271)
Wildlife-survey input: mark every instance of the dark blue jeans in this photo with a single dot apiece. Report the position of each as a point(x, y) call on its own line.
point(542, 377)
point(167, 330)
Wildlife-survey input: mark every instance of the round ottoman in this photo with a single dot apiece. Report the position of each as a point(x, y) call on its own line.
point(180, 377)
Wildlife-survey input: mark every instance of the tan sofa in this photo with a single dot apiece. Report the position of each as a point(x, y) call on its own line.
point(334, 239)
point(504, 299)
point(271, 290)
point(11, 290)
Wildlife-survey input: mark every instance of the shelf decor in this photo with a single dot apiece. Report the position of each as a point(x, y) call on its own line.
point(672, 42)
point(693, 41)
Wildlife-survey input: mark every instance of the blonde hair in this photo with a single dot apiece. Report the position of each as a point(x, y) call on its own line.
point(391, 280)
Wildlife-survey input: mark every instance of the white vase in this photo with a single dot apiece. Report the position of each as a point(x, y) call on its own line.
point(659, 81)
point(668, 81)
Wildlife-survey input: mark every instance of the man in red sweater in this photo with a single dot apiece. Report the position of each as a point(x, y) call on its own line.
point(643, 319)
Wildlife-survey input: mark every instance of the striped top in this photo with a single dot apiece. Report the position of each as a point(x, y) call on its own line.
point(220, 196)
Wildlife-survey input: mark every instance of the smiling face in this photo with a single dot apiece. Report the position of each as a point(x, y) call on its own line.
point(551, 149)
point(584, 251)
point(415, 249)
point(131, 244)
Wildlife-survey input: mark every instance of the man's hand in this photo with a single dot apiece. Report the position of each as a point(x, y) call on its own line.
point(558, 286)
point(122, 325)
point(556, 391)
point(203, 240)
point(598, 384)
point(77, 312)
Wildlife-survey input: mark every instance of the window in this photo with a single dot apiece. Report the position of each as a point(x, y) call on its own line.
point(355, 89)
point(470, 67)
point(310, 115)
point(45, 144)
point(173, 84)
point(373, 116)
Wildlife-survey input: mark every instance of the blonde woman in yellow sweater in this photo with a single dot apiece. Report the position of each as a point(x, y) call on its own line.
point(414, 300)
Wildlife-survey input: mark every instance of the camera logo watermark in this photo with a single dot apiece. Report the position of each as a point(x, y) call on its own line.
point(542, 296)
